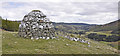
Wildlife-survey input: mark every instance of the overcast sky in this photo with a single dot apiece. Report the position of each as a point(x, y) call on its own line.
point(70, 12)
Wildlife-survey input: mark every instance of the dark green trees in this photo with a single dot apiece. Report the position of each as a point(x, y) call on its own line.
point(10, 25)
point(99, 37)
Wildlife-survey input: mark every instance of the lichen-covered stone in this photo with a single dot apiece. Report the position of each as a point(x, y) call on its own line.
point(36, 25)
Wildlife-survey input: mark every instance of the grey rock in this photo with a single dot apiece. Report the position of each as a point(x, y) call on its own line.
point(77, 39)
point(36, 25)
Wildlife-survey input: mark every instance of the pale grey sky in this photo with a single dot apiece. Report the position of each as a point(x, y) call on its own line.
point(57, 11)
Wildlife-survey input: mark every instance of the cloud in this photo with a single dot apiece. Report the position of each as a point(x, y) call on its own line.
point(60, 0)
point(70, 12)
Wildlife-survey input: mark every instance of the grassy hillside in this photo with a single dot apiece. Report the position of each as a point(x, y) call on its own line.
point(69, 27)
point(10, 25)
point(66, 27)
point(74, 26)
point(112, 26)
point(0, 36)
point(0, 22)
point(0, 42)
point(12, 44)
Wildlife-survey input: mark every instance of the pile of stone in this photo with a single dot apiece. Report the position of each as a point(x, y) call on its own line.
point(77, 39)
point(35, 25)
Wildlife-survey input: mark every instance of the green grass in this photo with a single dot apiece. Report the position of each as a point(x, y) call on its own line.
point(103, 33)
point(12, 44)
point(0, 42)
point(107, 33)
point(114, 44)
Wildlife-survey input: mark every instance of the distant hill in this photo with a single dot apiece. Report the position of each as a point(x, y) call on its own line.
point(66, 27)
point(69, 27)
point(73, 23)
point(72, 27)
point(112, 26)
point(9, 25)
point(0, 21)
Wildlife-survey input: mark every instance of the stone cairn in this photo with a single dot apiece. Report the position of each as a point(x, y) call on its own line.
point(35, 25)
